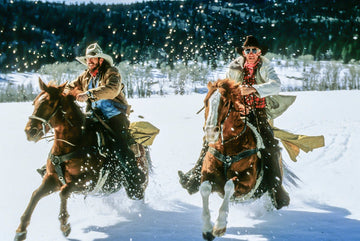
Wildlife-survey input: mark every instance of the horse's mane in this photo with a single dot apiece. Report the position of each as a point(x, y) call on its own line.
point(228, 88)
point(73, 91)
point(69, 95)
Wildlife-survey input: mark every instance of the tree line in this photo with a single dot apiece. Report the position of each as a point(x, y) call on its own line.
point(34, 33)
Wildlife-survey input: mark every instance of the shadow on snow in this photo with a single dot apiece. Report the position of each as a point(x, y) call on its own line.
point(186, 224)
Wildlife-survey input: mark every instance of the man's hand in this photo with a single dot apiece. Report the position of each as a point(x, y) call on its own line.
point(82, 97)
point(241, 108)
point(246, 90)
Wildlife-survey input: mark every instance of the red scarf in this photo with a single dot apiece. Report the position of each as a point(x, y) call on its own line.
point(94, 73)
point(250, 79)
point(251, 67)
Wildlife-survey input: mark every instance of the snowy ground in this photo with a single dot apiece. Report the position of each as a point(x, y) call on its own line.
point(323, 207)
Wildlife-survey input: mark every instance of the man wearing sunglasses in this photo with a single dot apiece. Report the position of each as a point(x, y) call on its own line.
point(260, 87)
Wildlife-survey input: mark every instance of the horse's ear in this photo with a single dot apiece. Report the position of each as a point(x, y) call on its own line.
point(62, 87)
point(210, 84)
point(43, 86)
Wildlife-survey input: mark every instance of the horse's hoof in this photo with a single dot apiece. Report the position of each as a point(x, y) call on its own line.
point(208, 236)
point(20, 236)
point(66, 229)
point(218, 232)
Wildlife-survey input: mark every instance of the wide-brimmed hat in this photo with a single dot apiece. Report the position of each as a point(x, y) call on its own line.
point(251, 41)
point(94, 51)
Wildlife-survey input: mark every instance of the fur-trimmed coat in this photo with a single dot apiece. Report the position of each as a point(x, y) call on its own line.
point(267, 85)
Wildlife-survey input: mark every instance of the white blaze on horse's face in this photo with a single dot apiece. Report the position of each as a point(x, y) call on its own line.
point(212, 129)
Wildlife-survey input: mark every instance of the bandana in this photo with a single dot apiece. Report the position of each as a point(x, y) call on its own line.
point(251, 67)
point(249, 79)
point(94, 73)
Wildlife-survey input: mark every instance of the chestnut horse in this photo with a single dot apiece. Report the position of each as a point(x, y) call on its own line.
point(231, 166)
point(79, 161)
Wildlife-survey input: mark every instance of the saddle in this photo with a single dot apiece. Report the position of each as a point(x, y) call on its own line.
point(139, 133)
point(115, 171)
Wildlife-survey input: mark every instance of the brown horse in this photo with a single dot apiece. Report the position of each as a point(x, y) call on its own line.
point(231, 165)
point(79, 161)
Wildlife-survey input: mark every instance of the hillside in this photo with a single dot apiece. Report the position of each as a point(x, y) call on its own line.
point(36, 33)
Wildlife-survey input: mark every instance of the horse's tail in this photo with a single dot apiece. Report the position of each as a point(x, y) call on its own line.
point(290, 178)
point(146, 155)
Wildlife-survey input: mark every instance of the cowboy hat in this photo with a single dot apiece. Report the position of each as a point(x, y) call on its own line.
point(94, 51)
point(251, 41)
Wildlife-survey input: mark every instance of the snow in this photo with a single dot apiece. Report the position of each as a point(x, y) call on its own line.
point(323, 207)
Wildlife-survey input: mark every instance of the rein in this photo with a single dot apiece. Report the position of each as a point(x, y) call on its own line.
point(58, 139)
point(234, 137)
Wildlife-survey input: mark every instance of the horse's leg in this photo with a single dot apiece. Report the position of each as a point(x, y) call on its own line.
point(220, 224)
point(205, 190)
point(47, 187)
point(64, 215)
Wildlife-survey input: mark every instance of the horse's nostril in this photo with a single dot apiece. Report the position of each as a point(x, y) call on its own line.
point(33, 131)
point(217, 129)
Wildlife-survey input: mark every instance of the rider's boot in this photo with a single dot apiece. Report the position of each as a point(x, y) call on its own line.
point(135, 177)
point(191, 180)
point(271, 156)
point(273, 175)
point(133, 173)
point(280, 197)
point(119, 125)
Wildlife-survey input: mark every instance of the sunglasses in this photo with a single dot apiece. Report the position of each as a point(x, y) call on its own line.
point(254, 51)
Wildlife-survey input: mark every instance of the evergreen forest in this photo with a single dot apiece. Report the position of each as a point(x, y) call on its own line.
point(34, 33)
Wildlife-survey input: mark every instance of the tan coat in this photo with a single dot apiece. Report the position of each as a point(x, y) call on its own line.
point(110, 86)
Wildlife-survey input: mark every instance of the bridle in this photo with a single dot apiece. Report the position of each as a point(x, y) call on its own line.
point(229, 160)
point(232, 108)
point(46, 122)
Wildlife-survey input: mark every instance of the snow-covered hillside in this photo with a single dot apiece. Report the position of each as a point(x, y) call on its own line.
point(323, 207)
